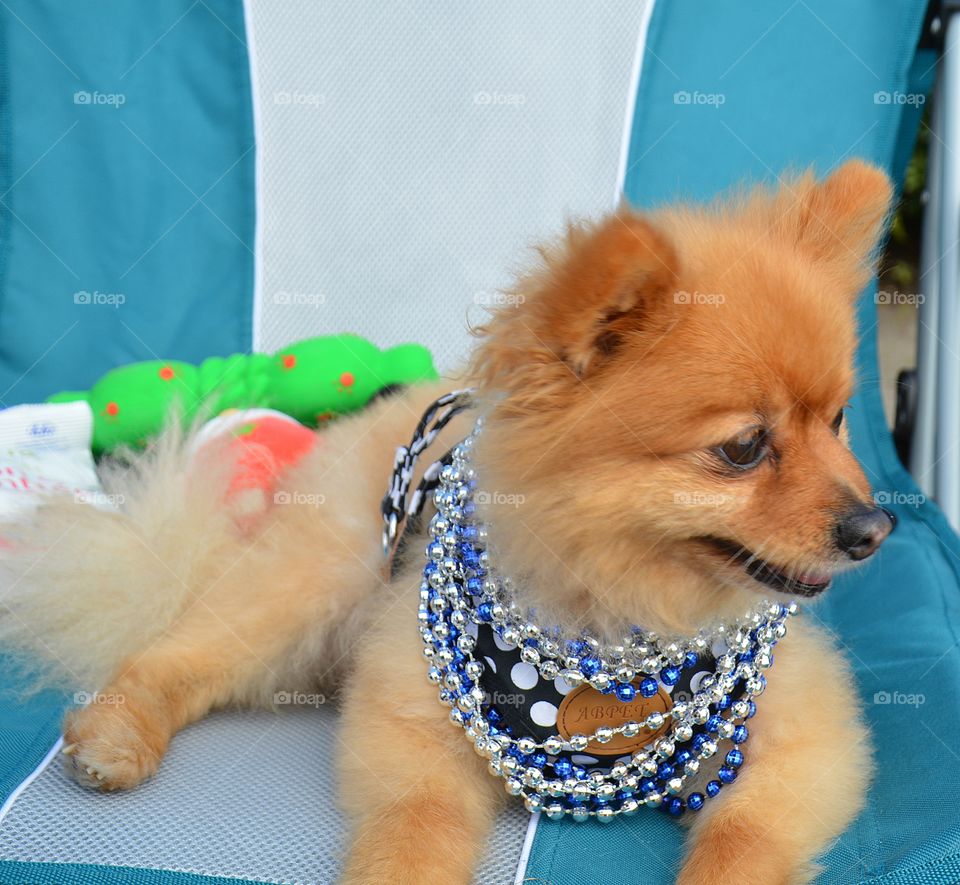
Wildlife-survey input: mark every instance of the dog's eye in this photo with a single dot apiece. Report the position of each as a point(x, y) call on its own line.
point(747, 450)
point(837, 423)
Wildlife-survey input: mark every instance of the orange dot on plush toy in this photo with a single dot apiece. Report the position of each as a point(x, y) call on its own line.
point(112, 409)
point(166, 373)
point(289, 361)
point(347, 379)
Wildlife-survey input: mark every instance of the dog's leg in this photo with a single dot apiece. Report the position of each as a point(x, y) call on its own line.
point(421, 800)
point(805, 774)
point(214, 655)
point(277, 614)
point(277, 620)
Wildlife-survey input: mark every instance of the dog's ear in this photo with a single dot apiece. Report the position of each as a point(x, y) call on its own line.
point(609, 281)
point(841, 219)
point(600, 283)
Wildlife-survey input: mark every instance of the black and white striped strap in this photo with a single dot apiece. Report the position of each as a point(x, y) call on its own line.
point(395, 507)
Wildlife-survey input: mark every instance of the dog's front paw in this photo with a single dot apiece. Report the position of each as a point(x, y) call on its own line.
point(111, 745)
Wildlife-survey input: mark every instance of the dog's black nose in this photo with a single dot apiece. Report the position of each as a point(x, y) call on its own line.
point(863, 529)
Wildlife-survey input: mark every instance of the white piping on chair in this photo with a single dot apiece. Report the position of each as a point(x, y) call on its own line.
point(525, 851)
point(947, 476)
point(30, 778)
point(257, 177)
point(632, 93)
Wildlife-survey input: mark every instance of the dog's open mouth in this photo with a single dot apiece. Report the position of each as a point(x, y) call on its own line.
point(785, 580)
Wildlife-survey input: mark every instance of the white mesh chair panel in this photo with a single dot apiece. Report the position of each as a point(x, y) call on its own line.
point(410, 153)
point(244, 795)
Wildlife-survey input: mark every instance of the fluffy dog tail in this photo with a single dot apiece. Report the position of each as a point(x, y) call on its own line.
point(83, 588)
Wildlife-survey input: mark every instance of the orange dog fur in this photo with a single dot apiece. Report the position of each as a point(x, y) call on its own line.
point(638, 346)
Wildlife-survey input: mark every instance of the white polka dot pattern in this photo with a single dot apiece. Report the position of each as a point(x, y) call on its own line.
point(524, 675)
point(544, 713)
point(529, 704)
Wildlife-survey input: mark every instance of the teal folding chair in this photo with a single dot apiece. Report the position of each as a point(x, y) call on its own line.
point(271, 173)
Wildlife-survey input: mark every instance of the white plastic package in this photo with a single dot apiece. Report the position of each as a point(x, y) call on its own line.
point(44, 450)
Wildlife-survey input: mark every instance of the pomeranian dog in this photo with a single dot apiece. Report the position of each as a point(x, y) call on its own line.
point(663, 444)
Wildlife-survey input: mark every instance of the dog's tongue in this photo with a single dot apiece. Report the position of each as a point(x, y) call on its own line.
point(813, 579)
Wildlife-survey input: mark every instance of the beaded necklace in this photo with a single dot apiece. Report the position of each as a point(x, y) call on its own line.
point(466, 604)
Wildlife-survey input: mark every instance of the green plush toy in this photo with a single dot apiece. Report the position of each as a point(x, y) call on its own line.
point(313, 381)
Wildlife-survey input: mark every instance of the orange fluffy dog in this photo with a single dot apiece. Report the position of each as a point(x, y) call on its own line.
point(666, 399)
